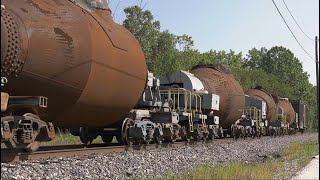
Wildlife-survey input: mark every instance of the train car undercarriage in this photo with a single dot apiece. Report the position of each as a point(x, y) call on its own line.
point(20, 127)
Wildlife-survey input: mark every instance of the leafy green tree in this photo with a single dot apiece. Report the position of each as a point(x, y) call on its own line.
point(281, 62)
point(184, 42)
point(164, 51)
point(166, 54)
point(254, 58)
point(143, 26)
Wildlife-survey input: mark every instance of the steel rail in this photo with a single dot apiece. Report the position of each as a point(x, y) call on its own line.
point(49, 152)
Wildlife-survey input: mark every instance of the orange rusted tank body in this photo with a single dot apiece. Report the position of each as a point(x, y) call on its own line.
point(271, 102)
point(288, 110)
point(218, 79)
point(92, 70)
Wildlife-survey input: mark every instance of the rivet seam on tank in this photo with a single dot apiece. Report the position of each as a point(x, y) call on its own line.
point(11, 65)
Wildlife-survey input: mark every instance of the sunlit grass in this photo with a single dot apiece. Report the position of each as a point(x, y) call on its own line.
point(63, 139)
point(67, 138)
point(236, 170)
point(300, 153)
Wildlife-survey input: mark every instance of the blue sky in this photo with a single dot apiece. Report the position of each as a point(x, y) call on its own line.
point(239, 25)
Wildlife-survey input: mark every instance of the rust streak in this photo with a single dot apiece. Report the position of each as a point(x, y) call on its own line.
point(40, 9)
point(24, 10)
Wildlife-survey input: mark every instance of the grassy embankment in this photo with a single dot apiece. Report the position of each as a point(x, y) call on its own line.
point(298, 154)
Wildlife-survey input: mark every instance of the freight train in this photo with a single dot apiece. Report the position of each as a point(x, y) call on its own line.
point(68, 64)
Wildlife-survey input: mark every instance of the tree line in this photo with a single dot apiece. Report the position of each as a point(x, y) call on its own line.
point(275, 69)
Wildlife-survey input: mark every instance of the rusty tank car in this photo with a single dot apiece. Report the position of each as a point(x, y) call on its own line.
point(74, 54)
point(271, 102)
point(287, 110)
point(218, 79)
point(280, 113)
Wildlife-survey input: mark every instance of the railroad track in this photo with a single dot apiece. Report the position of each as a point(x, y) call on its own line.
point(48, 152)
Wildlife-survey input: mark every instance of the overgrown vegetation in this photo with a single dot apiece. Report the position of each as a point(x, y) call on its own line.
point(276, 69)
point(299, 153)
point(67, 138)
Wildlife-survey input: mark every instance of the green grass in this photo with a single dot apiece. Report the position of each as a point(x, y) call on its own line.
point(63, 139)
point(297, 153)
point(67, 138)
point(300, 153)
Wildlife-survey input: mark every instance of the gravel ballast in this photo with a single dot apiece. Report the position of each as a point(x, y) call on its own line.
point(152, 163)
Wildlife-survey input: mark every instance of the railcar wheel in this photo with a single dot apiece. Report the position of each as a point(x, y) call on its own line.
point(119, 139)
point(205, 134)
point(10, 144)
point(170, 139)
point(185, 137)
point(127, 123)
point(138, 141)
point(197, 133)
point(225, 133)
point(158, 139)
point(23, 140)
point(107, 138)
point(242, 134)
point(232, 133)
point(146, 140)
point(271, 131)
point(210, 134)
point(248, 132)
point(32, 147)
point(86, 140)
point(86, 137)
point(220, 133)
point(258, 132)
